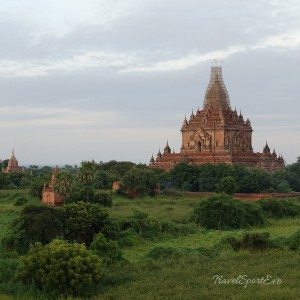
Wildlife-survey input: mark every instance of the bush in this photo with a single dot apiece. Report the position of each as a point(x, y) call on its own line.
point(35, 224)
point(176, 229)
point(20, 201)
point(145, 225)
point(226, 185)
point(37, 185)
point(293, 241)
point(251, 241)
point(102, 198)
point(141, 223)
point(83, 220)
point(139, 182)
point(128, 238)
point(78, 193)
point(61, 268)
point(223, 212)
point(279, 208)
point(108, 250)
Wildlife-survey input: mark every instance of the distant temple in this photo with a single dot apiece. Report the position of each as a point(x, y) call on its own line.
point(217, 134)
point(48, 195)
point(13, 165)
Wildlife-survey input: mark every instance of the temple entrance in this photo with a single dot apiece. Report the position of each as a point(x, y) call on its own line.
point(199, 147)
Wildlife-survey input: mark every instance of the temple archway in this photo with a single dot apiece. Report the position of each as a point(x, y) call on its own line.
point(199, 147)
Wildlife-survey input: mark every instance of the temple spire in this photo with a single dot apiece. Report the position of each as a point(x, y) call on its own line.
point(152, 159)
point(167, 148)
point(216, 93)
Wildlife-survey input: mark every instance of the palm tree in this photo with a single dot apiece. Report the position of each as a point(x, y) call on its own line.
point(87, 175)
point(63, 183)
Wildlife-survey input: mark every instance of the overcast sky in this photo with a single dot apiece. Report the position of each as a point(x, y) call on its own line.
point(113, 79)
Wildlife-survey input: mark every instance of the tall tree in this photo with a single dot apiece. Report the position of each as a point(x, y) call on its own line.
point(87, 175)
point(63, 184)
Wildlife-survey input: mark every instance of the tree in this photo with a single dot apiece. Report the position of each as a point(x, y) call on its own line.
point(3, 180)
point(108, 250)
point(140, 182)
point(226, 185)
point(118, 168)
point(3, 163)
point(223, 212)
point(105, 179)
point(87, 175)
point(83, 220)
point(251, 180)
point(293, 178)
point(15, 178)
point(63, 184)
point(35, 224)
point(78, 193)
point(62, 268)
point(102, 198)
point(185, 177)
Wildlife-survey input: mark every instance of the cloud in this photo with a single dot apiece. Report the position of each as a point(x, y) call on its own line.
point(133, 62)
point(64, 118)
point(59, 18)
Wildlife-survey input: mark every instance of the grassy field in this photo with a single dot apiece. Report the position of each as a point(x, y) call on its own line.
point(179, 266)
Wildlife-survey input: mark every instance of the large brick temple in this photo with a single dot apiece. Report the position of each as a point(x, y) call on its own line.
point(217, 134)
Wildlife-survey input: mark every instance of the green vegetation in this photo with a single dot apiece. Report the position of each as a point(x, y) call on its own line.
point(63, 184)
point(139, 182)
point(223, 212)
point(81, 221)
point(279, 208)
point(108, 250)
point(60, 268)
point(226, 185)
point(102, 198)
point(87, 176)
point(34, 224)
point(156, 246)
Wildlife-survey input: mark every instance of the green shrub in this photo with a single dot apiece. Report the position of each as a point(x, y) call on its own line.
point(139, 182)
point(83, 220)
point(141, 223)
point(293, 241)
point(128, 238)
point(223, 212)
point(145, 225)
point(62, 268)
point(279, 208)
point(36, 223)
point(226, 185)
point(108, 250)
point(251, 241)
point(9, 266)
point(102, 198)
point(20, 201)
point(175, 228)
point(111, 230)
point(163, 253)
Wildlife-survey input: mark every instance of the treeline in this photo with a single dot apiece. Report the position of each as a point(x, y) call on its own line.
point(79, 183)
point(215, 178)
